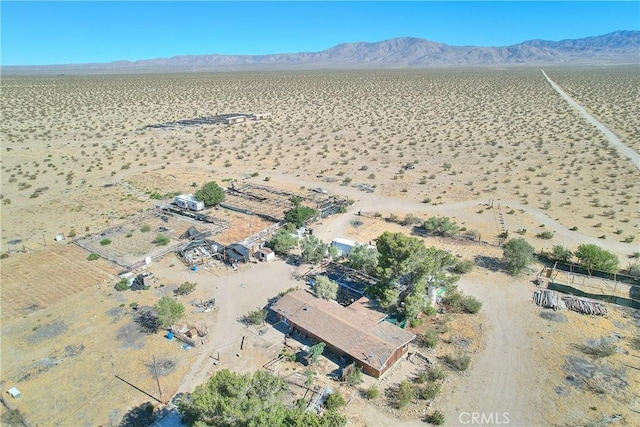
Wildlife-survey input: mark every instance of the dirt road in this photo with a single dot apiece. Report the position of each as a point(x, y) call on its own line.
point(374, 202)
point(501, 387)
point(620, 146)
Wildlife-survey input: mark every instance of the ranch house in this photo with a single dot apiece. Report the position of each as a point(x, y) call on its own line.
point(355, 332)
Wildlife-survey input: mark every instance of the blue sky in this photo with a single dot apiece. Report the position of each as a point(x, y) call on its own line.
point(80, 32)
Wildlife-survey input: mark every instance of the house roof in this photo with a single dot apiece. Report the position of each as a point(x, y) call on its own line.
point(346, 242)
point(357, 330)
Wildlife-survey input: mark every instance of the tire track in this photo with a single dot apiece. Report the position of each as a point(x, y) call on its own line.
point(615, 141)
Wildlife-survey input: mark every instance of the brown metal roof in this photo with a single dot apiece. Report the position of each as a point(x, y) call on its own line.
point(357, 330)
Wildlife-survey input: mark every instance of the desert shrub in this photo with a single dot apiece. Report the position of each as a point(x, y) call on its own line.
point(460, 362)
point(105, 242)
point(440, 226)
point(354, 377)
point(372, 392)
point(463, 266)
point(335, 401)
point(429, 310)
point(471, 304)
point(436, 373)
point(430, 338)
point(455, 301)
point(122, 285)
point(185, 288)
point(546, 235)
point(145, 228)
point(161, 240)
point(634, 270)
point(429, 391)
point(601, 349)
point(422, 377)
point(93, 256)
point(437, 418)
point(5, 255)
point(560, 253)
point(406, 393)
point(414, 323)
point(410, 219)
point(256, 317)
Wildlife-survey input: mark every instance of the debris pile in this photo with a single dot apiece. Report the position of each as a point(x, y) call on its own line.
point(584, 306)
point(548, 299)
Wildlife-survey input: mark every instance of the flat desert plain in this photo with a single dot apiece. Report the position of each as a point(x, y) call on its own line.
point(494, 149)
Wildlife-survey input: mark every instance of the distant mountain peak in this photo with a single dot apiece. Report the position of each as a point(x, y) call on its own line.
point(403, 52)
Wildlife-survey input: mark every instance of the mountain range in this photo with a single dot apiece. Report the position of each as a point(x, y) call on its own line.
point(404, 52)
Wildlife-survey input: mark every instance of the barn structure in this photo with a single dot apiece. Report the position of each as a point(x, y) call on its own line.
point(356, 331)
point(235, 253)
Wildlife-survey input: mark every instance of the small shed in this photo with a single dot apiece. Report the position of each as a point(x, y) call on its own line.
point(265, 254)
point(14, 392)
point(343, 246)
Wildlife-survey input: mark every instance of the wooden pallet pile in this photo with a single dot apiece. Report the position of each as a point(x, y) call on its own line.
point(548, 299)
point(584, 306)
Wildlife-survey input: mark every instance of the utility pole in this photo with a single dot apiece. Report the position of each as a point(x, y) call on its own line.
point(155, 368)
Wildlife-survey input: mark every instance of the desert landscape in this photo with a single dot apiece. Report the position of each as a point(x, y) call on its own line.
point(495, 149)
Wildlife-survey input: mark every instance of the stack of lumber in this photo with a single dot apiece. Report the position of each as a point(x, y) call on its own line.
point(584, 306)
point(547, 298)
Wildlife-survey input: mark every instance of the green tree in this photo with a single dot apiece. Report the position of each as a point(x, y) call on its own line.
point(211, 194)
point(232, 399)
point(405, 262)
point(168, 311)
point(315, 351)
point(325, 288)
point(518, 254)
point(415, 302)
point(299, 214)
point(364, 258)
point(594, 257)
point(440, 226)
point(313, 249)
point(282, 242)
point(560, 253)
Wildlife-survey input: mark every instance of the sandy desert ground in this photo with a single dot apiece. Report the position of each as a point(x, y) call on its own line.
point(78, 158)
